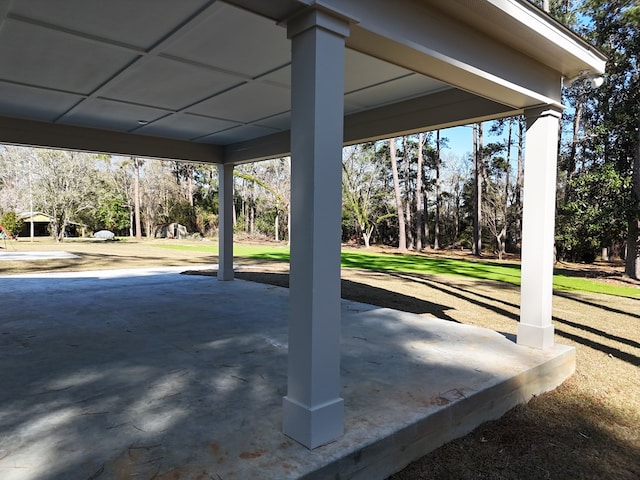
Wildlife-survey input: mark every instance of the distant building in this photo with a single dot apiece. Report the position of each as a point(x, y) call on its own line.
point(41, 223)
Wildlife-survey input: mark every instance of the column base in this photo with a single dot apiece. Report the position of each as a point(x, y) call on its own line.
point(534, 336)
point(313, 427)
point(225, 276)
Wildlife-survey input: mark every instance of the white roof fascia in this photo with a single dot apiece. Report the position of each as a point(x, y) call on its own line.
point(552, 30)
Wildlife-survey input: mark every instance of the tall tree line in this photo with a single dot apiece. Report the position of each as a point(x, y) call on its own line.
point(599, 177)
point(410, 192)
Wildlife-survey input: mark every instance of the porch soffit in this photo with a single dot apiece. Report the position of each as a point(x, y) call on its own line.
point(205, 79)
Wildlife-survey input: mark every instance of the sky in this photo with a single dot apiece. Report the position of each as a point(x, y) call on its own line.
point(461, 139)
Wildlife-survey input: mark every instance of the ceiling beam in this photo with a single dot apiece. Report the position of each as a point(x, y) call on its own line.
point(444, 109)
point(48, 135)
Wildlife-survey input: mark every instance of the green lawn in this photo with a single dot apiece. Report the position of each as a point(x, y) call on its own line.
point(407, 263)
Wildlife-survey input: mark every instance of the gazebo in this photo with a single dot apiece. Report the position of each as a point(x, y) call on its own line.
point(236, 81)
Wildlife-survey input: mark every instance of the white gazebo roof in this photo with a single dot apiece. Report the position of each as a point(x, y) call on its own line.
point(210, 80)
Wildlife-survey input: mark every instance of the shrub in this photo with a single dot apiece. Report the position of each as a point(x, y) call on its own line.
point(12, 223)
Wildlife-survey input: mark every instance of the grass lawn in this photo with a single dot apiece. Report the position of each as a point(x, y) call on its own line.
point(508, 272)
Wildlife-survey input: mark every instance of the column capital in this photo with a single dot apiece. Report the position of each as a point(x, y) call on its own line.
point(318, 16)
point(544, 111)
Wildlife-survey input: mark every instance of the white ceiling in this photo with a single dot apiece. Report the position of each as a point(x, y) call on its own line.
point(209, 80)
point(192, 70)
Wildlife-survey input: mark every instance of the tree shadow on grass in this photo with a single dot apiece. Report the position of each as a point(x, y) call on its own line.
point(578, 298)
point(482, 300)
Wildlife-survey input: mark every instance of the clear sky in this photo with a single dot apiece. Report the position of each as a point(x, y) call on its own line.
point(461, 139)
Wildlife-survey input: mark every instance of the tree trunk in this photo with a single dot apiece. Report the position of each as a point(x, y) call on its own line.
point(289, 223)
point(252, 214)
point(436, 227)
point(419, 212)
point(149, 228)
point(136, 197)
point(632, 262)
point(366, 236)
point(507, 187)
point(402, 236)
point(500, 241)
point(407, 194)
point(190, 183)
point(235, 216)
point(477, 191)
point(571, 164)
point(427, 233)
point(519, 182)
point(276, 225)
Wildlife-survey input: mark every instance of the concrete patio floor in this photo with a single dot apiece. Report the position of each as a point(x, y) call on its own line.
point(149, 374)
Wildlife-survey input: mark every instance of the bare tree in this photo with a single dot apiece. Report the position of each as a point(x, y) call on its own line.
point(64, 186)
point(362, 189)
point(632, 262)
point(14, 177)
point(159, 193)
point(477, 190)
point(406, 164)
point(136, 197)
point(436, 166)
point(420, 211)
point(402, 236)
point(264, 192)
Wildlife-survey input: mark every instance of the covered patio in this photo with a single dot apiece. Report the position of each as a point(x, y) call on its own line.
point(152, 374)
point(244, 80)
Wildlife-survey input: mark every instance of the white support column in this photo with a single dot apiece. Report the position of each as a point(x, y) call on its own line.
point(313, 412)
point(538, 223)
point(225, 222)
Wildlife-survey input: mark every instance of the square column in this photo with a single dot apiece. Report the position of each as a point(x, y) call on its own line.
point(225, 222)
point(538, 228)
point(313, 412)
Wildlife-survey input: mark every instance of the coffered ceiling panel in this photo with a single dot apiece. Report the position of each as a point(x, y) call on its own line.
point(107, 114)
point(168, 83)
point(235, 40)
point(246, 103)
point(68, 63)
point(410, 85)
point(363, 71)
point(185, 126)
point(237, 134)
point(277, 122)
point(140, 23)
point(35, 103)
